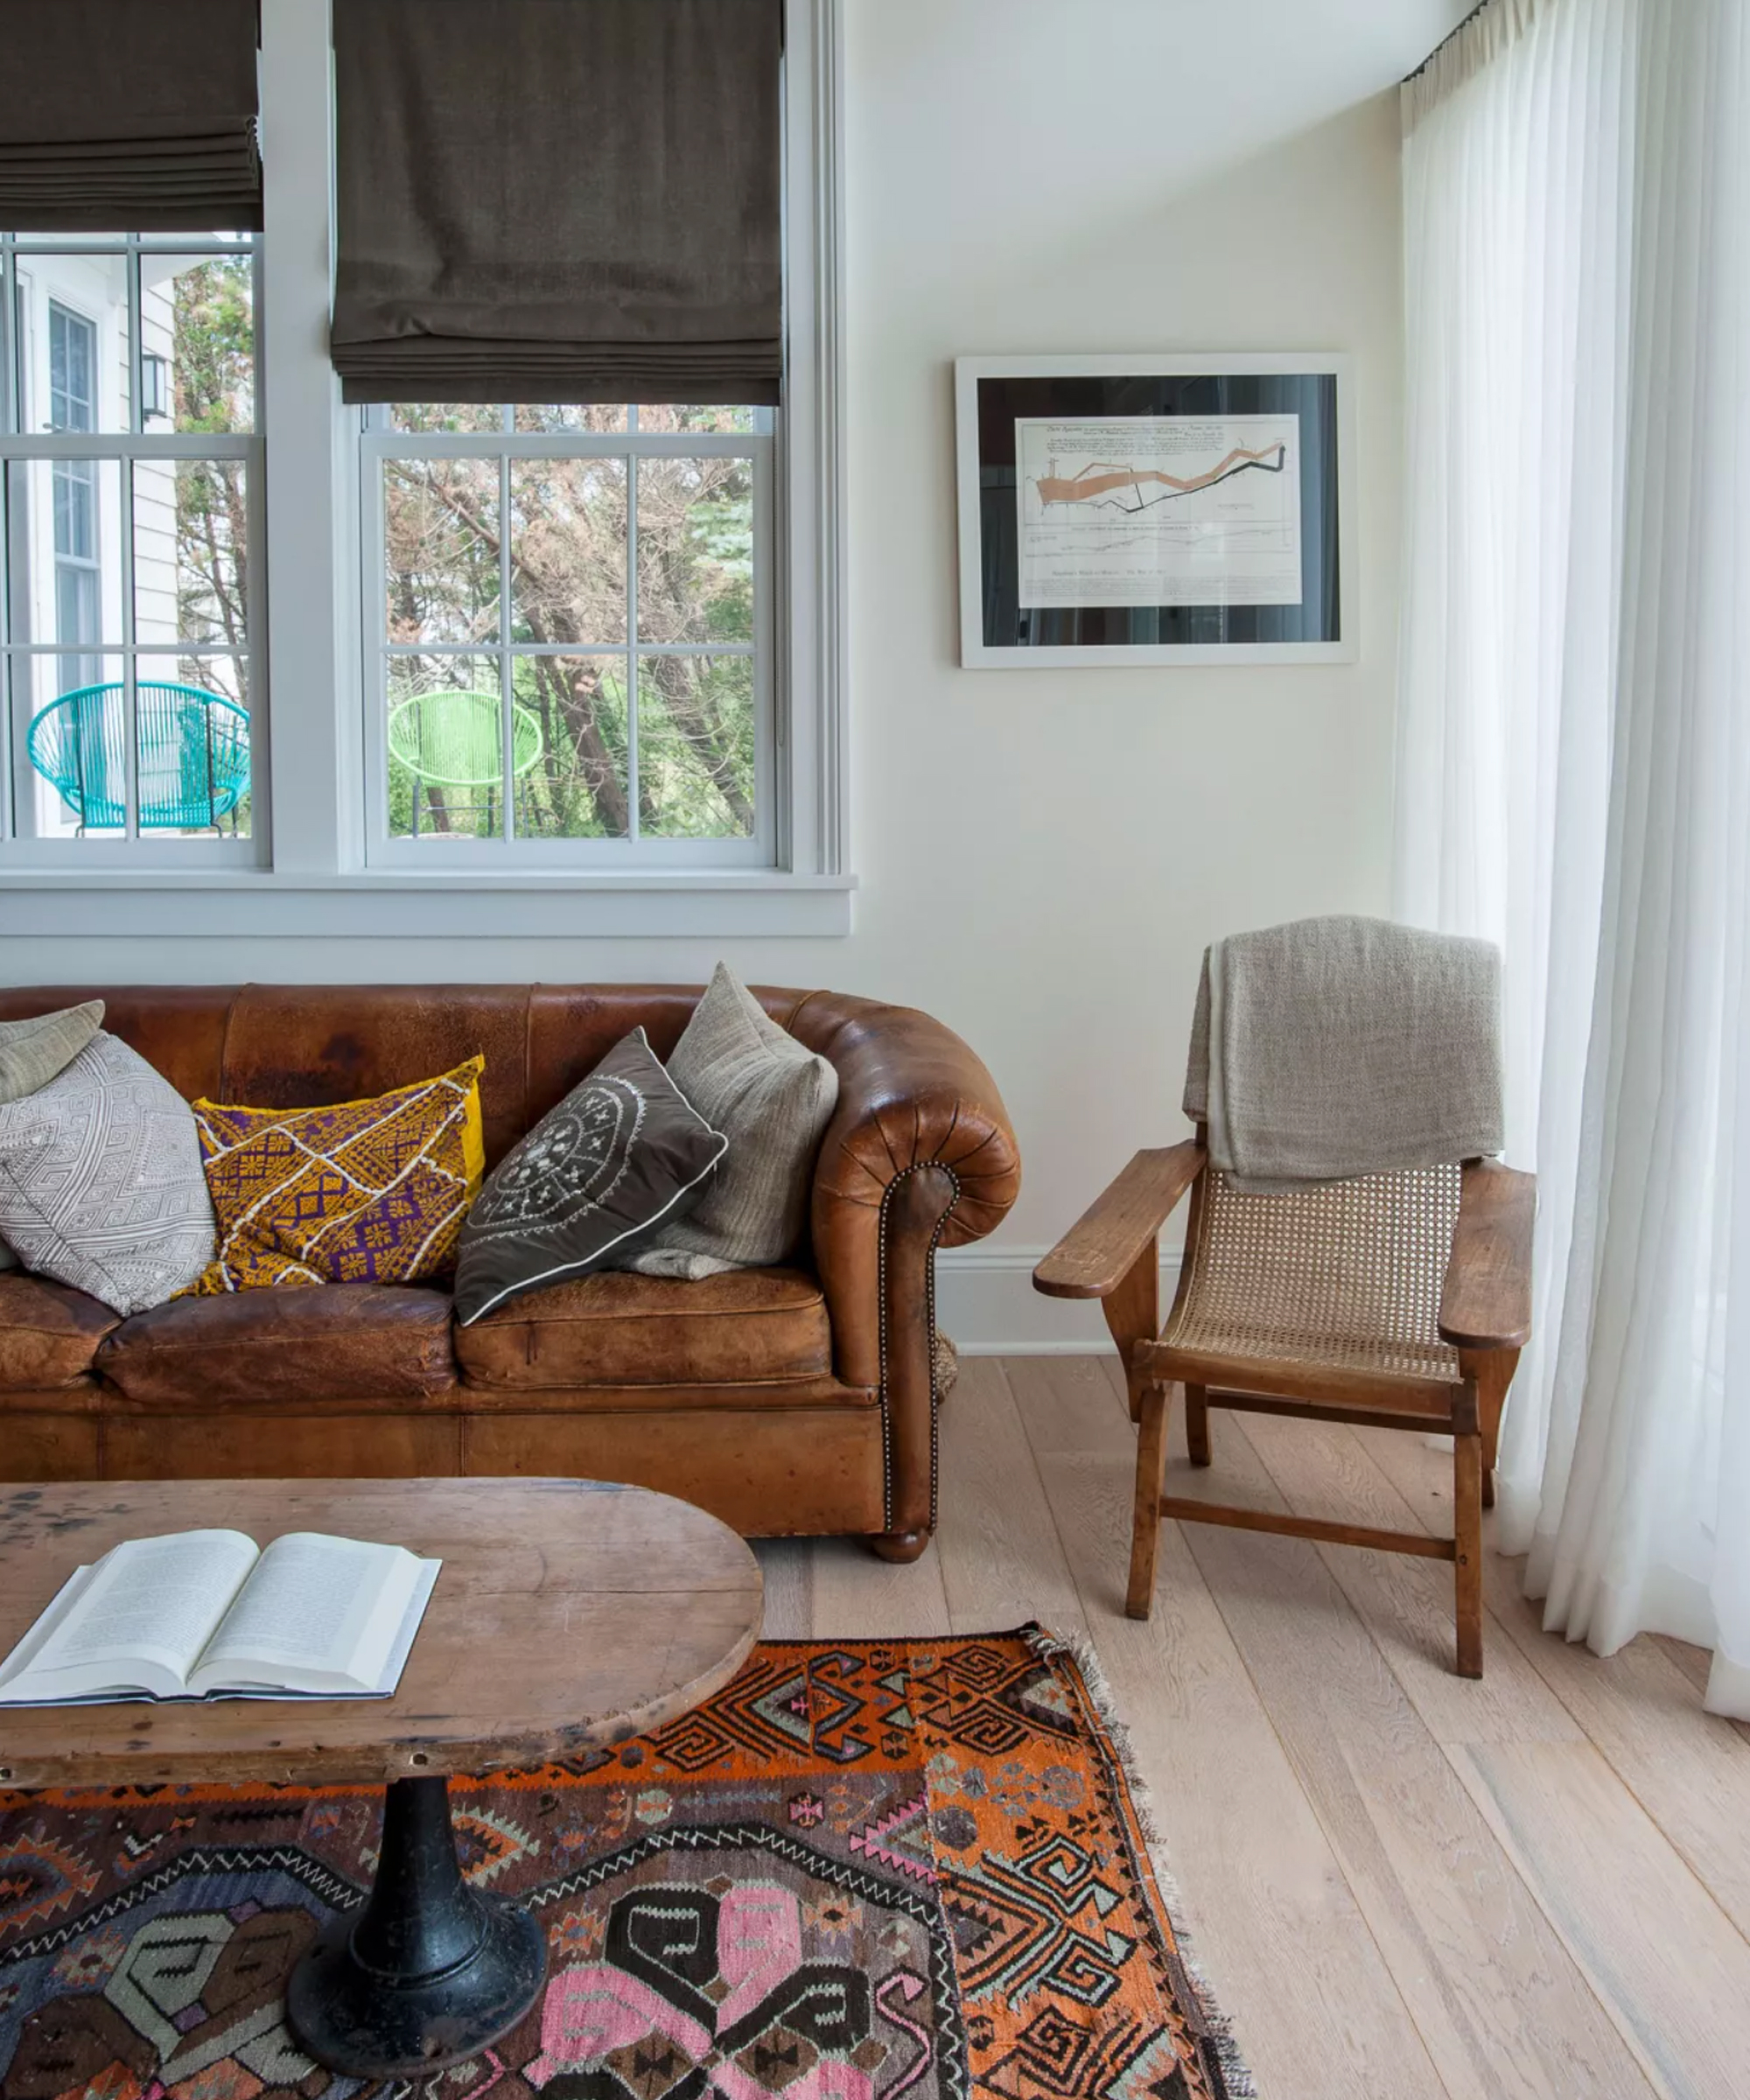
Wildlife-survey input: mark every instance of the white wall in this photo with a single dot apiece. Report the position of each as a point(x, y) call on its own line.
point(1044, 855)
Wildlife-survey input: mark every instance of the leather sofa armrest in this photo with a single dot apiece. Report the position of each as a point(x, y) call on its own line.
point(919, 1153)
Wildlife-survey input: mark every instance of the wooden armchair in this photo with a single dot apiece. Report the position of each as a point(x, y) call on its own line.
point(1399, 1299)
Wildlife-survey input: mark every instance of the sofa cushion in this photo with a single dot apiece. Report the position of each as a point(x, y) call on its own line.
point(772, 1098)
point(330, 1341)
point(594, 1179)
point(33, 1051)
point(365, 1191)
point(48, 1333)
point(748, 1325)
point(101, 1185)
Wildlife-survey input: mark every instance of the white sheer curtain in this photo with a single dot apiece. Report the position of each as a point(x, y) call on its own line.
point(1574, 752)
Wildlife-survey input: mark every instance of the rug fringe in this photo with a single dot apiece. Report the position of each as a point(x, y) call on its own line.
point(1045, 1644)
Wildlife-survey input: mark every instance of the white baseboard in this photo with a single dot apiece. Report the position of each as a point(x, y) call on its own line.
point(985, 1300)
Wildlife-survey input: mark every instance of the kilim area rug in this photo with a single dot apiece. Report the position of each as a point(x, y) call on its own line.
point(866, 1869)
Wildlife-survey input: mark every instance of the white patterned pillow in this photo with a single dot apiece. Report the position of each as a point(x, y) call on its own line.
point(101, 1181)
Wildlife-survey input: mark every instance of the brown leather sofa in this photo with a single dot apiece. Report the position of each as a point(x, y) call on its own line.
point(788, 1401)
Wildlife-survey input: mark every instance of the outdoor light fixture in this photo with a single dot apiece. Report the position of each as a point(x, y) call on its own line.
point(154, 385)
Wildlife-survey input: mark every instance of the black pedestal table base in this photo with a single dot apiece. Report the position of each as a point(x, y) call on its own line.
point(429, 1970)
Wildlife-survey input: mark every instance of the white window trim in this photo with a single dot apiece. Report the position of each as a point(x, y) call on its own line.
point(318, 883)
point(116, 861)
point(757, 447)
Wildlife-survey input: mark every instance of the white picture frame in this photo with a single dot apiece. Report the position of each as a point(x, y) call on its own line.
point(986, 572)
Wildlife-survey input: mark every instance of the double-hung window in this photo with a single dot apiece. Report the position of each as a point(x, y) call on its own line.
point(129, 542)
point(570, 636)
point(571, 667)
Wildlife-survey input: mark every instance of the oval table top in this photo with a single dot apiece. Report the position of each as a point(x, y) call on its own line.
point(568, 1614)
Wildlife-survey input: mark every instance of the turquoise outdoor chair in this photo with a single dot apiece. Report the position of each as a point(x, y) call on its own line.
point(193, 767)
point(452, 741)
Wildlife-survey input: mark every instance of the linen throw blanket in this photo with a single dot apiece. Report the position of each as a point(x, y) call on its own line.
point(1333, 1048)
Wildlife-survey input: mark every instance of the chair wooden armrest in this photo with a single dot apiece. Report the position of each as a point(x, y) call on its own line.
point(1486, 1298)
point(1113, 1233)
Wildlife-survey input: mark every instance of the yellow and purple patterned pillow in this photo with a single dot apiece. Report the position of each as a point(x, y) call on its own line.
point(367, 1192)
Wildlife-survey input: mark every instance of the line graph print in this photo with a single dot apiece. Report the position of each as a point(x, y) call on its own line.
point(1157, 510)
point(1097, 483)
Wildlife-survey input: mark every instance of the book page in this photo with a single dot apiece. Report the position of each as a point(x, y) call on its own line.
point(316, 1608)
point(315, 1684)
point(153, 1602)
point(19, 1663)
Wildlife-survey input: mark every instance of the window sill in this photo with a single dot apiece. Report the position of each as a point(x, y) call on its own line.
point(143, 903)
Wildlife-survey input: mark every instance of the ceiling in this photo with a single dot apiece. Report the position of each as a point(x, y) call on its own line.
point(1211, 82)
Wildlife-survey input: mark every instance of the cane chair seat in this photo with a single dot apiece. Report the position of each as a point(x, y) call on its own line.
point(1341, 1279)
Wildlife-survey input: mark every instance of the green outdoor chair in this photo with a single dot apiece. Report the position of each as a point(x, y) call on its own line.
point(193, 762)
point(454, 741)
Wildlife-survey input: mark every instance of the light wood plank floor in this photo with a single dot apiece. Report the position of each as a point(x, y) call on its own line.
point(1401, 1884)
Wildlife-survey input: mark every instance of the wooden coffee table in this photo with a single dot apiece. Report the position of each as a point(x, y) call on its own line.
point(569, 1614)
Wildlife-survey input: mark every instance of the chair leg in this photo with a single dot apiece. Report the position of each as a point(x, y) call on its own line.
point(1197, 1424)
point(1467, 1542)
point(1146, 1517)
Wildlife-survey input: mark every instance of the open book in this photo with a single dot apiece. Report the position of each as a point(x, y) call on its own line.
point(206, 1614)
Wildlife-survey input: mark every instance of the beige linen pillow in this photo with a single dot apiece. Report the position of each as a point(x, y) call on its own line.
point(773, 1099)
point(101, 1181)
point(32, 1052)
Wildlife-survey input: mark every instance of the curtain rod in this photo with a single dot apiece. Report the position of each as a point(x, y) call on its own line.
point(1418, 70)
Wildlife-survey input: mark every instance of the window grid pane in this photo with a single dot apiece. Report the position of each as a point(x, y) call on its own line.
point(117, 722)
point(583, 678)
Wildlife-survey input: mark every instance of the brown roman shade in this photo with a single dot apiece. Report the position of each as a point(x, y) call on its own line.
point(129, 117)
point(558, 201)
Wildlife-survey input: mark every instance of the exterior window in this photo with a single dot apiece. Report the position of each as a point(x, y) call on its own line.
point(130, 483)
point(72, 369)
point(568, 635)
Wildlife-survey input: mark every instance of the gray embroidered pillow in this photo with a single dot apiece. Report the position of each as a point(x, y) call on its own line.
point(101, 1181)
point(773, 1099)
point(624, 1151)
point(32, 1052)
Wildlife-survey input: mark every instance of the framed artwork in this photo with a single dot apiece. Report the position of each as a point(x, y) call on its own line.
point(1190, 509)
